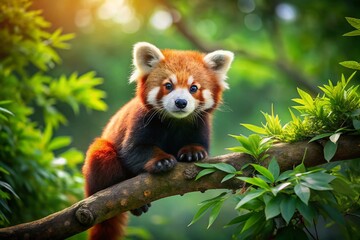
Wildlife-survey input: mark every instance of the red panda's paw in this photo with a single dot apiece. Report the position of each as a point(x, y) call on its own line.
point(141, 210)
point(192, 153)
point(159, 165)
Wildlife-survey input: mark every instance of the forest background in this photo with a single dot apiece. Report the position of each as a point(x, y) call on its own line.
point(278, 46)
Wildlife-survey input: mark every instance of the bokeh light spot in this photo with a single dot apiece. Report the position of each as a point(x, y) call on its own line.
point(253, 22)
point(161, 20)
point(246, 6)
point(286, 11)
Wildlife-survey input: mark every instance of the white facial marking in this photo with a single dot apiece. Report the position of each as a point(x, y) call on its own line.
point(173, 79)
point(151, 98)
point(170, 106)
point(190, 80)
point(208, 99)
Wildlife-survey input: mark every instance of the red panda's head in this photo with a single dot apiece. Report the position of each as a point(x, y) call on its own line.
point(180, 82)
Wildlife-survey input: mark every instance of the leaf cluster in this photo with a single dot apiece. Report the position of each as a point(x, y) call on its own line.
point(254, 145)
point(37, 168)
point(282, 204)
point(336, 110)
point(355, 22)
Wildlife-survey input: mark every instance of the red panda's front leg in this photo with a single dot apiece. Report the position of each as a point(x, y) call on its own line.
point(160, 162)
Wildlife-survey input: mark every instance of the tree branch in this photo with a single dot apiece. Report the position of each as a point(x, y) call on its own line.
point(147, 188)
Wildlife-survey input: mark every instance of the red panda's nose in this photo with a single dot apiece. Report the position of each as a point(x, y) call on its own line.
point(180, 103)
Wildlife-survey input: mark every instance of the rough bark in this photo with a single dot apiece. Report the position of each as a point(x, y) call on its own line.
point(146, 188)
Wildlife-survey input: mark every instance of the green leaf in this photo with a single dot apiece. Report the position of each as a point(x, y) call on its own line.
point(255, 181)
point(252, 221)
point(272, 208)
point(306, 97)
point(355, 113)
point(320, 136)
point(218, 198)
point(352, 33)
point(303, 192)
point(250, 196)
point(317, 176)
point(330, 150)
point(287, 208)
point(356, 124)
point(239, 149)
point(205, 165)
point(8, 187)
point(254, 128)
point(275, 190)
point(228, 177)
point(225, 167)
point(214, 213)
point(239, 219)
point(300, 168)
point(274, 168)
point(355, 22)
point(6, 111)
point(317, 181)
point(59, 142)
point(285, 175)
point(201, 212)
point(205, 172)
point(351, 64)
point(265, 172)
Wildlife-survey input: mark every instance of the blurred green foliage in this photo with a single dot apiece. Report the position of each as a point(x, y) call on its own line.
point(39, 173)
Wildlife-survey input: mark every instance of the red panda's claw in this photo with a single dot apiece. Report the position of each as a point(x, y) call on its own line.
point(192, 156)
point(164, 165)
point(140, 210)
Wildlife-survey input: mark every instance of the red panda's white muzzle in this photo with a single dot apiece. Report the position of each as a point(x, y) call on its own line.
point(179, 103)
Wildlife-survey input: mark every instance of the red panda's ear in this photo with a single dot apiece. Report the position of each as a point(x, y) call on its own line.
point(145, 57)
point(219, 61)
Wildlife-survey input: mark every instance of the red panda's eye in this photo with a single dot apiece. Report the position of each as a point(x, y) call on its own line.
point(193, 89)
point(168, 86)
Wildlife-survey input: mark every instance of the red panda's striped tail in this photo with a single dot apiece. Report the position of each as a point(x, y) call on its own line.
point(111, 229)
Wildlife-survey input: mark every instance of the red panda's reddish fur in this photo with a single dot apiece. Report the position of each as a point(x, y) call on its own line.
point(141, 138)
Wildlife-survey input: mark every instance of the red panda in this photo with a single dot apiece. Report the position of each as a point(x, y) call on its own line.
point(167, 121)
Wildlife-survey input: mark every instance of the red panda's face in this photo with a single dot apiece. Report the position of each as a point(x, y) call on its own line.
point(180, 83)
